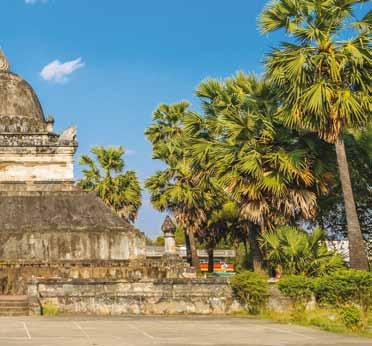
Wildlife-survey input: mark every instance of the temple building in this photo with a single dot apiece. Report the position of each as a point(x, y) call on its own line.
point(44, 216)
point(62, 249)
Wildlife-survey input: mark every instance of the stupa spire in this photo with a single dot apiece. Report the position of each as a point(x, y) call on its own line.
point(4, 64)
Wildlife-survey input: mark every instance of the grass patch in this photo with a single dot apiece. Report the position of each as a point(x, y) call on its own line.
point(324, 318)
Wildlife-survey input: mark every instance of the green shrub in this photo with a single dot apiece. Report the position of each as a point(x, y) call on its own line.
point(346, 287)
point(298, 252)
point(351, 317)
point(50, 309)
point(297, 287)
point(252, 290)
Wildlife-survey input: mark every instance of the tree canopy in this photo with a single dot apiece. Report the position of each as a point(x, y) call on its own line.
point(105, 175)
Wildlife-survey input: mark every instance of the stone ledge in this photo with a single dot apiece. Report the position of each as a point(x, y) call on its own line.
point(119, 297)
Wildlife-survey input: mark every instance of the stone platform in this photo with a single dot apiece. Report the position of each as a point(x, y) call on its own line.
point(15, 275)
point(143, 297)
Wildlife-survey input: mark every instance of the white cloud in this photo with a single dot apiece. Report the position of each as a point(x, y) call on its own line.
point(57, 71)
point(130, 152)
point(33, 2)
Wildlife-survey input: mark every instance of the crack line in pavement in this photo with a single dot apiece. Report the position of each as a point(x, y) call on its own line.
point(289, 332)
point(84, 333)
point(27, 331)
point(142, 332)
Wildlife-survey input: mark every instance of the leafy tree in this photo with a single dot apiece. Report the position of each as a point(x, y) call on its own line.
point(324, 83)
point(273, 174)
point(105, 175)
point(297, 252)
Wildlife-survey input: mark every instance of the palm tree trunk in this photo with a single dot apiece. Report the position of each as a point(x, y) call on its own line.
point(194, 254)
point(245, 245)
point(210, 251)
point(238, 257)
point(358, 257)
point(258, 265)
point(188, 248)
point(278, 271)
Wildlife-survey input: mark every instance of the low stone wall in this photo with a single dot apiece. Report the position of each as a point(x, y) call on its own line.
point(14, 276)
point(167, 296)
point(277, 301)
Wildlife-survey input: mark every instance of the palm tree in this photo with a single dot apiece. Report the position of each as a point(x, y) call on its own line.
point(324, 83)
point(105, 175)
point(176, 189)
point(221, 225)
point(297, 252)
point(268, 170)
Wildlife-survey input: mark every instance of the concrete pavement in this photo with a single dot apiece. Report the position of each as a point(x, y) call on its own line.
point(170, 331)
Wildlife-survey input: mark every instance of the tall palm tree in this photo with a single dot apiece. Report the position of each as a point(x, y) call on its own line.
point(177, 189)
point(104, 174)
point(324, 82)
point(269, 171)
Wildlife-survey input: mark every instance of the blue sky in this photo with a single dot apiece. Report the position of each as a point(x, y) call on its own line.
point(134, 56)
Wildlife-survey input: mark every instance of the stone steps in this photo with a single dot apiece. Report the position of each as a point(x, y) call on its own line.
point(14, 306)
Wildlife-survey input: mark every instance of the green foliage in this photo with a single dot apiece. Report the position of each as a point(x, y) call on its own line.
point(104, 174)
point(189, 194)
point(180, 236)
point(50, 309)
point(328, 319)
point(346, 287)
point(297, 287)
point(266, 169)
point(236, 167)
point(252, 289)
point(347, 292)
point(325, 319)
point(299, 252)
point(324, 82)
point(159, 241)
point(175, 189)
point(351, 317)
point(272, 174)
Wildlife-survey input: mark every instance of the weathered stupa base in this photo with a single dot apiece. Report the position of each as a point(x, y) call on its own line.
point(56, 226)
point(15, 276)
